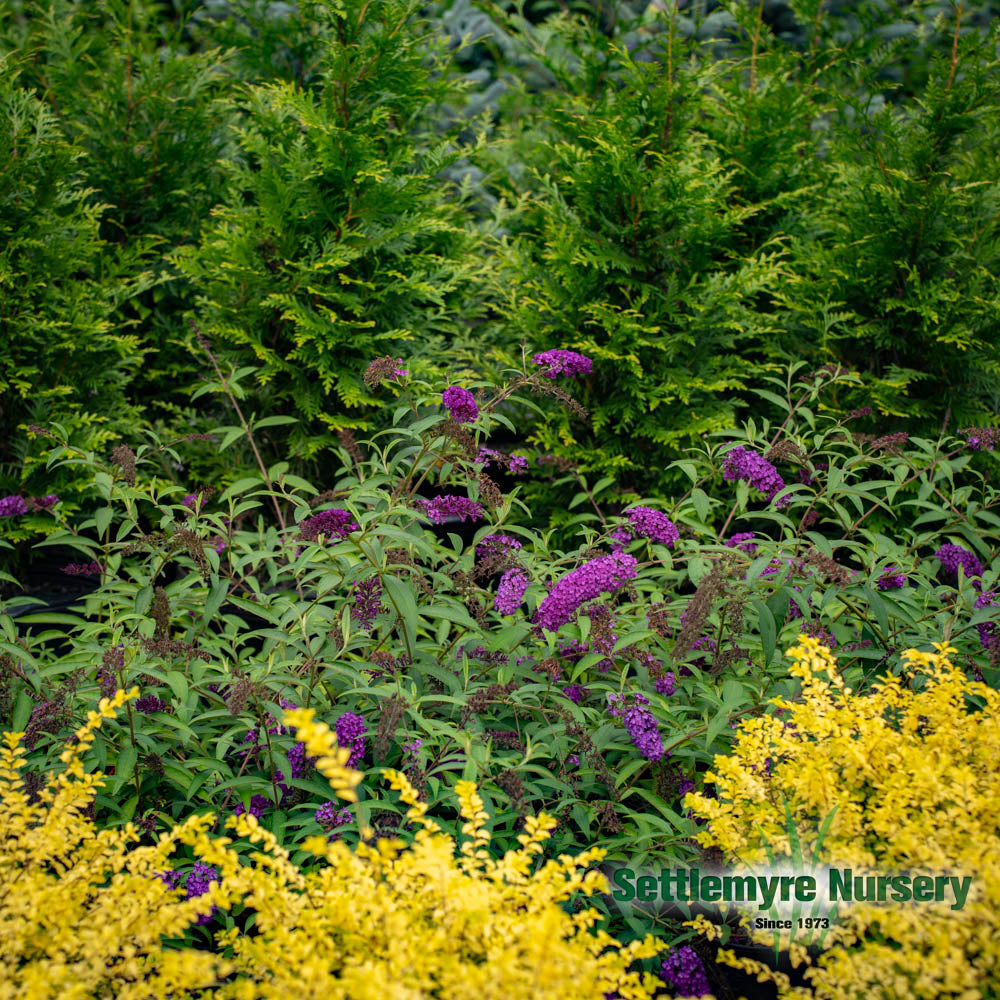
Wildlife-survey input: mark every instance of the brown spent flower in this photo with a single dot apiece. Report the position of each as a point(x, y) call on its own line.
point(124, 457)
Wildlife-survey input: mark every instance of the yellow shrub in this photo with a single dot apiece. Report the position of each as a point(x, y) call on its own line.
point(914, 776)
point(83, 913)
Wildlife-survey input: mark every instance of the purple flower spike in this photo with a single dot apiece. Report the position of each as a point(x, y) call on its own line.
point(510, 592)
point(653, 524)
point(892, 579)
point(461, 404)
point(448, 505)
point(351, 729)
point(989, 632)
point(259, 804)
point(684, 973)
point(46, 502)
point(744, 541)
point(13, 506)
point(982, 438)
point(560, 362)
point(367, 602)
point(742, 464)
point(600, 575)
point(640, 723)
point(334, 523)
point(952, 556)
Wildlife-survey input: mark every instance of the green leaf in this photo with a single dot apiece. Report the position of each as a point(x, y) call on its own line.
point(768, 628)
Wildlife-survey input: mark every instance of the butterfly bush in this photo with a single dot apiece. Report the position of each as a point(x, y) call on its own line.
point(953, 556)
point(461, 404)
point(892, 579)
point(605, 574)
point(510, 591)
point(13, 506)
point(335, 523)
point(565, 363)
point(682, 970)
point(645, 522)
point(741, 463)
point(445, 506)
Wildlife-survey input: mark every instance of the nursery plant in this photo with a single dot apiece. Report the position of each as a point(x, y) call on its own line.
point(405, 602)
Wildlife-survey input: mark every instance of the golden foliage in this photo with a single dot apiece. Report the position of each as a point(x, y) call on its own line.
point(83, 913)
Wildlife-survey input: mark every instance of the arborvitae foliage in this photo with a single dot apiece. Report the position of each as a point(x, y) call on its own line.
point(151, 125)
point(62, 354)
point(337, 241)
point(897, 277)
point(687, 219)
point(634, 248)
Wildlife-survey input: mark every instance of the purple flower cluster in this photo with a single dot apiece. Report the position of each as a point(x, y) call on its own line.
point(335, 523)
point(742, 464)
point(149, 703)
point(197, 883)
point(600, 575)
point(892, 579)
point(448, 505)
point(171, 879)
point(982, 438)
point(575, 692)
point(510, 592)
point(952, 556)
point(560, 362)
point(683, 972)
point(517, 465)
point(351, 729)
point(461, 404)
point(367, 601)
point(259, 804)
point(492, 544)
point(82, 569)
point(666, 685)
point(13, 506)
point(640, 723)
point(44, 503)
point(744, 541)
point(329, 816)
point(989, 632)
point(645, 522)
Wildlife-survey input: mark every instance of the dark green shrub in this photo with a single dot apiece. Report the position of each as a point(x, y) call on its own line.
point(337, 239)
point(64, 353)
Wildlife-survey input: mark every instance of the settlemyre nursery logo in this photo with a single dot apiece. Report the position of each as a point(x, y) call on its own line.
point(768, 889)
point(800, 903)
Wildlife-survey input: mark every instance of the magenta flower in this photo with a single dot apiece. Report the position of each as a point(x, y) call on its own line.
point(742, 464)
point(560, 362)
point(892, 579)
point(448, 505)
point(13, 506)
point(605, 574)
point(46, 502)
point(982, 438)
point(461, 404)
point(652, 524)
point(744, 541)
point(82, 569)
point(351, 729)
point(492, 544)
point(510, 592)
point(952, 556)
point(334, 523)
